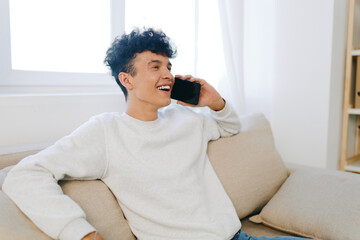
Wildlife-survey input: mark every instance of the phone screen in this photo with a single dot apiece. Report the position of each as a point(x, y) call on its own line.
point(186, 91)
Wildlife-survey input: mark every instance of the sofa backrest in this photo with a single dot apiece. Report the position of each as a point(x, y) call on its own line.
point(248, 165)
point(7, 160)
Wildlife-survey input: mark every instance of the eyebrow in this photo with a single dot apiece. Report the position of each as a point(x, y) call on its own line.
point(158, 61)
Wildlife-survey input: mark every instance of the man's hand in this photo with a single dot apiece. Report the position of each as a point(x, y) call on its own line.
point(208, 95)
point(91, 236)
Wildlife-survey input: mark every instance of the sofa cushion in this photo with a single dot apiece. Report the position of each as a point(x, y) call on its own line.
point(101, 207)
point(319, 204)
point(248, 165)
point(259, 230)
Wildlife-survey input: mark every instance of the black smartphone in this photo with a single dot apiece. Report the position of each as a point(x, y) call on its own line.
point(186, 91)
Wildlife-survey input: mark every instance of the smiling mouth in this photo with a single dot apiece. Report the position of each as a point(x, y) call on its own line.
point(164, 88)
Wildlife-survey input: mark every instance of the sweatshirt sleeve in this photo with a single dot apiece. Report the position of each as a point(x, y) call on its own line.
point(33, 183)
point(223, 123)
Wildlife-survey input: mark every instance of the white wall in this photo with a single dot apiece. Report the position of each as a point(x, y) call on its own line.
point(339, 38)
point(30, 122)
point(259, 51)
point(302, 67)
point(300, 80)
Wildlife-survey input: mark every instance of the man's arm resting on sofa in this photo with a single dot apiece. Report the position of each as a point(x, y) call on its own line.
point(33, 183)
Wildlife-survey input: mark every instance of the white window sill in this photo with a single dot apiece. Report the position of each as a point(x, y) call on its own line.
point(58, 90)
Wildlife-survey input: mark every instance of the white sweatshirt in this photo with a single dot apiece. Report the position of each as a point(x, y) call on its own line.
point(158, 171)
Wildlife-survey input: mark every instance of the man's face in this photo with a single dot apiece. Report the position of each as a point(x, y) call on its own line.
point(152, 82)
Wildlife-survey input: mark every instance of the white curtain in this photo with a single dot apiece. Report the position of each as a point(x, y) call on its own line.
point(231, 83)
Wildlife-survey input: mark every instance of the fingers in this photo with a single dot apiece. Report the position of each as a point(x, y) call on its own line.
point(92, 236)
point(184, 104)
point(191, 78)
point(184, 77)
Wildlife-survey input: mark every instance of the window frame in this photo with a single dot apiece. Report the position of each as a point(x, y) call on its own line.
point(24, 78)
point(21, 82)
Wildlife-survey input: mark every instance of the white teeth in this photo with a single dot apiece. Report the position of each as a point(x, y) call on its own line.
point(164, 88)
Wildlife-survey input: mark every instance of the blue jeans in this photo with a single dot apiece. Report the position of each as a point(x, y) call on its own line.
point(241, 235)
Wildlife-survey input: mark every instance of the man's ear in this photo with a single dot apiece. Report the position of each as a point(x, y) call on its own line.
point(125, 80)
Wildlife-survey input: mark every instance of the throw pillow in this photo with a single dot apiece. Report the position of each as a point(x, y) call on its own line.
point(248, 165)
point(101, 208)
point(319, 204)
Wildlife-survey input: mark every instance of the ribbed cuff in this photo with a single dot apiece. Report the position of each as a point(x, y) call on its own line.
point(223, 112)
point(76, 230)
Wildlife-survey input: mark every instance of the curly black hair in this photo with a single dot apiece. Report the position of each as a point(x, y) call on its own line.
point(120, 56)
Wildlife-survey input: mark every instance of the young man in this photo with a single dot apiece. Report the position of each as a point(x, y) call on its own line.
point(164, 191)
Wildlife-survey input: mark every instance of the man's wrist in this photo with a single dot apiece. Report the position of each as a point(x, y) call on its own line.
point(93, 236)
point(89, 236)
point(218, 105)
point(77, 229)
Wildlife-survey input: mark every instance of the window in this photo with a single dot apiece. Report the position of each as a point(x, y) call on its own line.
point(43, 47)
point(194, 25)
point(210, 59)
point(63, 42)
point(59, 36)
point(176, 18)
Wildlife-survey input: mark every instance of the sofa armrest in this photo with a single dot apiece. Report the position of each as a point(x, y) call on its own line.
point(292, 167)
point(13, 158)
point(315, 203)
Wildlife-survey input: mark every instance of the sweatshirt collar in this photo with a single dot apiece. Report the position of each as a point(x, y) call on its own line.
point(140, 123)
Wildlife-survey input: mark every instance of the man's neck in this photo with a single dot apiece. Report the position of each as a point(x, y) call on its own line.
point(141, 113)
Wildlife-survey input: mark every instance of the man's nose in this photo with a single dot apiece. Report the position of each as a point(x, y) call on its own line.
point(168, 75)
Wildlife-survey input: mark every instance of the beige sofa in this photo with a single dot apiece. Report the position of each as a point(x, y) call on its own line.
point(270, 198)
